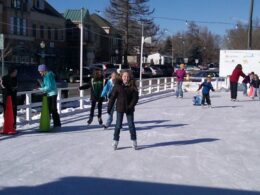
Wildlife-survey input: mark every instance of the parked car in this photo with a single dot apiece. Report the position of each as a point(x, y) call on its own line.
point(167, 70)
point(203, 74)
point(156, 71)
point(120, 67)
point(135, 71)
point(106, 68)
point(74, 75)
point(206, 73)
point(146, 72)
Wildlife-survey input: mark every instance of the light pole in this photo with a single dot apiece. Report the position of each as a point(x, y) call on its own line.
point(143, 40)
point(116, 52)
point(249, 44)
point(81, 58)
point(42, 53)
point(196, 62)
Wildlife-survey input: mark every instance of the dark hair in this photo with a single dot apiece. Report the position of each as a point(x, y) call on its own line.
point(239, 66)
point(95, 74)
point(11, 69)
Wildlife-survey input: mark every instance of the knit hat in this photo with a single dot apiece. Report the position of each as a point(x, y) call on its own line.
point(42, 67)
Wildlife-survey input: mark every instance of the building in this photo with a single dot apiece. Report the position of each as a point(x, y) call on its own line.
point(111, 44)
point(34, 33)
point(73, 25)
point(102, 42)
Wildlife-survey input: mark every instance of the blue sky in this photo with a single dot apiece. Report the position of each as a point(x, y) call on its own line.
point(230, 11)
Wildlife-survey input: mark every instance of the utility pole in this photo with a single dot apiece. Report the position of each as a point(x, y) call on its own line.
point(81, 58)
point(250, 24)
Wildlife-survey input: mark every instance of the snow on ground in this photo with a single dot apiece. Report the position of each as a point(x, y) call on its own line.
point(183, 149)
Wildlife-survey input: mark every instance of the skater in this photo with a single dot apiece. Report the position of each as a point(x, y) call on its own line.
point(125, 95)
point(106, 93)
point(48, 86)
point(206, 87)
point(9, 88)
point(96, 85)
point(247, 80)
point(255, 84)
point(180, 74)
point(237, 72)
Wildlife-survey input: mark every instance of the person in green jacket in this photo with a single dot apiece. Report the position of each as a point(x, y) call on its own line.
point(48, 86)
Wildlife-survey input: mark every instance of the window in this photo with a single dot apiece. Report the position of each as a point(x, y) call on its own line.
point(16, 4)
point(49, 33)
point(34, 30)
point(15, 25)
point(24, 27)
point(56, 34)
point(42, 32)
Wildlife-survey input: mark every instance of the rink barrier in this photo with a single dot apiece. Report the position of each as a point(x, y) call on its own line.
point(148, 86)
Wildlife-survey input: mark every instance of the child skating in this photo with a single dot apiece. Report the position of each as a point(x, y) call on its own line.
point(206, 87)
point(96, 85)
point(125, 95)
point(106, 93)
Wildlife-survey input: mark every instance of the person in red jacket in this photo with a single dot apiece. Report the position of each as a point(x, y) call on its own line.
point(237, 72)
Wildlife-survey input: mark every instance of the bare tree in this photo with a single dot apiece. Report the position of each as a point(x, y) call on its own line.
point(127, 15)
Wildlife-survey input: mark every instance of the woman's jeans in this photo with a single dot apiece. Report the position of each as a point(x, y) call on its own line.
point(256, 92)
point(179, 91)
point(244, 89)
point(131, 125)
point(110, 117)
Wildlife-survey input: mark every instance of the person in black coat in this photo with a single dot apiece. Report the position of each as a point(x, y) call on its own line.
point(125, 94)
point(96, 85)
point(9, 88)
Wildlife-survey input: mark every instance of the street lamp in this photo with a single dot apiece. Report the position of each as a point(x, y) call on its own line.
point(42, 53)
point(116, 52)
point(196, 62)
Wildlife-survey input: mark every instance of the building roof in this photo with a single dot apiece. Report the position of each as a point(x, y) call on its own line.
point(49, 10)
point(75, 14)
point(102, 22)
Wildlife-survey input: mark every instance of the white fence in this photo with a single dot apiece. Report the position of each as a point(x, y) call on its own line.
point(148, 86)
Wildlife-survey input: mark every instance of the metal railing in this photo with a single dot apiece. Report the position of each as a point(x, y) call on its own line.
point(148, 86)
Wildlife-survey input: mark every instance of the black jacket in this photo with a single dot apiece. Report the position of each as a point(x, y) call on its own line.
point(126, 98)
point(96, 86)
point(9, 87)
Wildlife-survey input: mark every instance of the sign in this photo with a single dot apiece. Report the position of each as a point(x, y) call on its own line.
point(1, 41)
point(249, 59)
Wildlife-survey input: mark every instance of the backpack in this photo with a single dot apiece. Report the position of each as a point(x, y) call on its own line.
point(197, 100)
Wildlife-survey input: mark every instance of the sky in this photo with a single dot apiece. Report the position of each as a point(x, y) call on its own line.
point(227, 11)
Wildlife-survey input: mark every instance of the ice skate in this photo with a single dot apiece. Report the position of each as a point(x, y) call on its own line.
point(134, 144)
point(115, 144)
point(100, 121)
point(90, 120)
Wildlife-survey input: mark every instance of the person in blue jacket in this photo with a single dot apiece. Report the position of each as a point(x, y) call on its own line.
point(206, 87)
point(106, 94)
point(48, 86)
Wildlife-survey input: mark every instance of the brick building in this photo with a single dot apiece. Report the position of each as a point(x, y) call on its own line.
point(34, 32)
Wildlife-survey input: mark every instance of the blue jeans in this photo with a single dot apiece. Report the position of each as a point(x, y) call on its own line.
point(110, 117)
point(131, 125)
point(256, 92)
point(179, 91)
point(244, 89)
